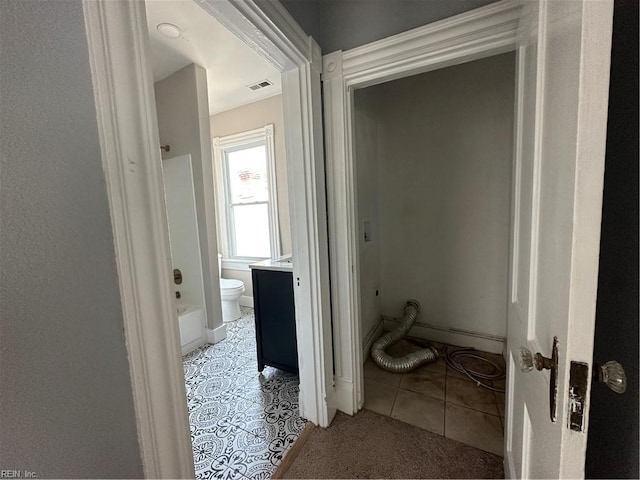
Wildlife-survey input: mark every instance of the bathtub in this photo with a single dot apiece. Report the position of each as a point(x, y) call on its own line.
point(192, 328)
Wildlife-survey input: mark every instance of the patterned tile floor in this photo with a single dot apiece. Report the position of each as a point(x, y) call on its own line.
point(242, 421)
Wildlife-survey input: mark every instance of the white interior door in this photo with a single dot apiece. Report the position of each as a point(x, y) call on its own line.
point(563, 78)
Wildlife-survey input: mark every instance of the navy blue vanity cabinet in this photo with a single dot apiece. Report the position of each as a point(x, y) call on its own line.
point(275, 319)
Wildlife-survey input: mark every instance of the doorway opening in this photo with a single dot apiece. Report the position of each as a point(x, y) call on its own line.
point(119, 57)
point(221, 126)
point(432, 156)
point(559, 116)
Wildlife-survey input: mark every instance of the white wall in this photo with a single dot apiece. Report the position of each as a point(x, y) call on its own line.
point(367, 178)
point(66, 407)
point(444, 142)
point(183, 122)
point(249, 117)
point(183, 228)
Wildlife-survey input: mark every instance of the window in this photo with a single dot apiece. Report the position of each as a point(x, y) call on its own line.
point(247, 211)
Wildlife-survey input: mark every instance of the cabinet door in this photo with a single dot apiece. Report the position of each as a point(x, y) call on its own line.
point(275, 319)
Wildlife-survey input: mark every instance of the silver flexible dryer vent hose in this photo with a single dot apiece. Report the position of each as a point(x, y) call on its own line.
point(408, 362)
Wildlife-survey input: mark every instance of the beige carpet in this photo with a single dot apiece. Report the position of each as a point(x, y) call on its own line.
point(373, 446)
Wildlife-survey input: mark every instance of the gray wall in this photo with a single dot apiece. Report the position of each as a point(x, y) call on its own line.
point(183, 123)
point(66, 408)
point(344, 24)
point(444, 141)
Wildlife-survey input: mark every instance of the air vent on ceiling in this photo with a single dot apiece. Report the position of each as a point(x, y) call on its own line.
point(259, 85)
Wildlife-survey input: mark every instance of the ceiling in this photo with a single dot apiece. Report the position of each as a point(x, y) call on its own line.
point(231, 65)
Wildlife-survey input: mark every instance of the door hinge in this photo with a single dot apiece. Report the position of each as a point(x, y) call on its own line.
point(578, 382)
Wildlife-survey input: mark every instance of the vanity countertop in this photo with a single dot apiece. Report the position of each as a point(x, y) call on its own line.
point(280, 264)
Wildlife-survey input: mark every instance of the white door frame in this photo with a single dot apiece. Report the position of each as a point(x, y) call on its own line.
point(476, 34)
point(125, 104)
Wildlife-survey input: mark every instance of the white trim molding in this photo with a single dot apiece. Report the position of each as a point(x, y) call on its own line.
point(239, 265)
point(472, 35)
point(371, 337)
point(309, 242)
point(266, 27)
point(452, 336)
point(217, 334)
point(126, 112)
point(485, 31)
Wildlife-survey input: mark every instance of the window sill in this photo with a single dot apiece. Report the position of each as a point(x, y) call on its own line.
point(241, 265)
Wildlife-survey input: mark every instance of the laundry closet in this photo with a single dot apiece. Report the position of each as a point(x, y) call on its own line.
point(433, 169)
point(433, 156)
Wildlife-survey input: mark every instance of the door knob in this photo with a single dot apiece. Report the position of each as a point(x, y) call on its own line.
point(612, 375)
point(525, 360)
point(528, 361)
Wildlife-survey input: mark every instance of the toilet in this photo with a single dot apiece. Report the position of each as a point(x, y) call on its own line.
point(230, 292)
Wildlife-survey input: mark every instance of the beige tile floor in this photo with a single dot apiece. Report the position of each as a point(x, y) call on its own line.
point(439, 399)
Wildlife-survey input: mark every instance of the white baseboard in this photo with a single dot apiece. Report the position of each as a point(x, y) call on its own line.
point(246, 301)
point(344, 388)
point(344, 395)
point(191, 346)
point(371, 337)
point(217, 334)
point(481, 341)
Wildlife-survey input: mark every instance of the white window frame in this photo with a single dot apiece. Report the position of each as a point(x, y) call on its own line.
point(230, 143)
